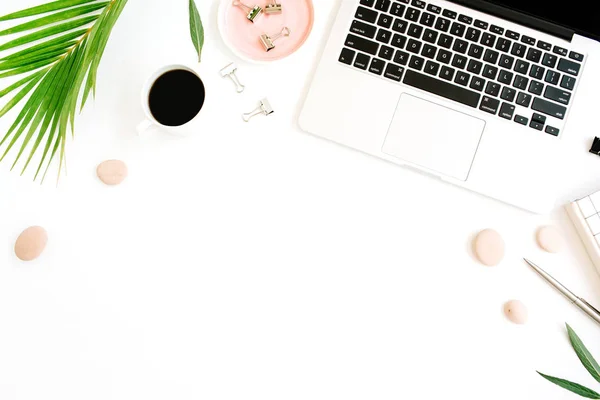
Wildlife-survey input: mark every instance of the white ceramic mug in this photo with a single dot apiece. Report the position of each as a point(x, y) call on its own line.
point(150, 122)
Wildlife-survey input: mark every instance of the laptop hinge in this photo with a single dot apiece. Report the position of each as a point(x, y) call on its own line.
point(519, 17)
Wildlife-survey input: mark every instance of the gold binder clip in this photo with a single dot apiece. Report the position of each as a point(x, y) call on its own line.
point(253, 12)
point(273, 7)
point(268, 41)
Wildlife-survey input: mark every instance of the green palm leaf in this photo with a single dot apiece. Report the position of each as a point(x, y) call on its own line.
point(57, 61)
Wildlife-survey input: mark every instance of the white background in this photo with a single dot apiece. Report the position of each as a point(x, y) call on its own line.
point(253, 261)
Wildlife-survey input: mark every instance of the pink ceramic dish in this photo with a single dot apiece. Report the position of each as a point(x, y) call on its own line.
point(243, 36)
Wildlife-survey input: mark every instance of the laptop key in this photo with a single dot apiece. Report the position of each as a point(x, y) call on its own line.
point(503, 45)
point(368, 3)
point(397, 9)
point(518, 50)
point(414, 46)
point(544, 45)
point(506, 61)
point(398, 41)
point(534, 55)
point(449, 14)
point(522, 67)
point(489, 71)
point(524, 99)
point(489, 105)
point(385, 20)
point(445, 41)
point(505, 77)
point(428, 51)
point(536, 125)
point(561, 51)
point(477, 83)
point(537, 72)
point(377, 66)
point(462, 78)
point(549, 60)
point(400, 25)
point(415, 31)
point(447, 73)
point(427, 19)
point(496, 29)
point(520, 82)
point(506, 111)
point(492, 88)
point(538, 118)
point(441, 88)
point(491, 56)
point(431, 68)
point(475, 51)
point(558, 95)
point(361, 44)
point(552, 77)
point(418, 3)
point(347, 56)
point(386, 52)
point(366, 14)
point(481, 24)
point(567, 82)
point(549, 108)
point(460, 46)
point(412, 14)
point(488, 39)
point(459, 61)
point(552, 130)
point(512, 34)
point(360, 28)
point(508, 94)
point(536, 87)
point(473, 34)
point(519, 119)
point(528, 40)
point(568, 66)
point(576, 56)
point(362, 61)
point(474, 66)
point(434, 9)
point(457, 29)
point(442, 24)
point(383, 5)
point(444, 56)
point(383, 36)
point(416, 62)
point(430, 35)
point(465, 19)
point(393, 72)
point(401, 57)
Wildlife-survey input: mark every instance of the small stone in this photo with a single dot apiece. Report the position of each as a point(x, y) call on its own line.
point(488, 247)
point(112, 172)
point(31, 243)
point(550, 239)
point(516, 312)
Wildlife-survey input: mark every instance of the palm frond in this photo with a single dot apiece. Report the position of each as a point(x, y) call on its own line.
point(56, 59)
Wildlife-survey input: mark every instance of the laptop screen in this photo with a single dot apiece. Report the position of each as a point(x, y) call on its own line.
point(585, 20)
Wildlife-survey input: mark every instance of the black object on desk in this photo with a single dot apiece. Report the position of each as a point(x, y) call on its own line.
point(596, 147)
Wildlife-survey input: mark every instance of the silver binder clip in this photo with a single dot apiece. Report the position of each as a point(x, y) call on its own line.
point(268, 41)
point(253, 12)
point(230, 72)
point(273, 7)
point(264, 108)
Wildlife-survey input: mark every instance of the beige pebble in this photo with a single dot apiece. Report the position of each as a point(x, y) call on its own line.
point(488, 247)
point(31, 243)
point(516, 312)
point(112, 172)
point(550, 239)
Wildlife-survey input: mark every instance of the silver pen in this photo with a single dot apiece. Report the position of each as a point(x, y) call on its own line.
point(578, 301)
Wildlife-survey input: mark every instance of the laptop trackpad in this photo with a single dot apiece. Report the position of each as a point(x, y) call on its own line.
point(433, 137)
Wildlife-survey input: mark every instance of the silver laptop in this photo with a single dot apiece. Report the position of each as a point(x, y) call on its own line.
point(477, 93)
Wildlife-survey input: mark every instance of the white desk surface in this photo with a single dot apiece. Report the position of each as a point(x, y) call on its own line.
point(254, 261)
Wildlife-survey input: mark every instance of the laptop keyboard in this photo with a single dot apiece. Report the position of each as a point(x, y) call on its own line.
point(463, 59)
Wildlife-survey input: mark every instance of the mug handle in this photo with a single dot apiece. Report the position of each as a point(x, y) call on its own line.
point(144, 126)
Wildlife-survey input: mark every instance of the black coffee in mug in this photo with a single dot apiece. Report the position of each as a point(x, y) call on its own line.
point(176, 97)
